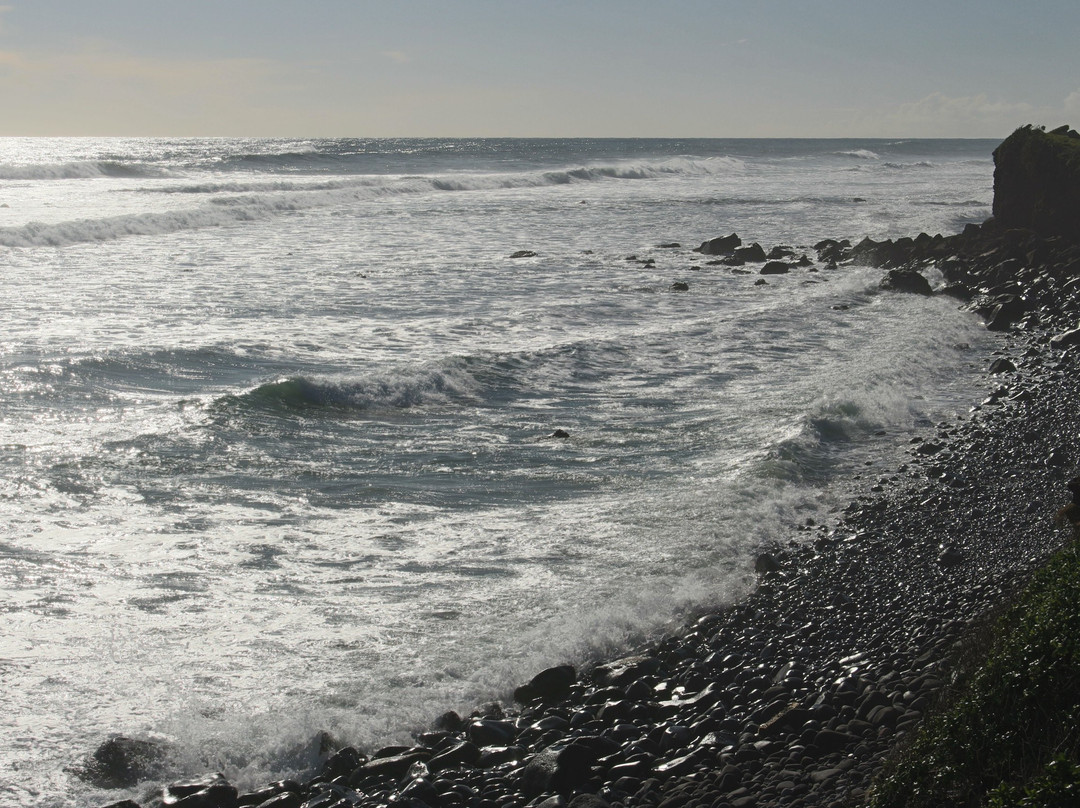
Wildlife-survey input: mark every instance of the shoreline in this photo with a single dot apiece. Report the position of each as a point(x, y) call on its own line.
point(796, 694)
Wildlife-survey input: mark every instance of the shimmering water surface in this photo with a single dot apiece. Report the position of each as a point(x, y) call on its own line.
point(275, 417)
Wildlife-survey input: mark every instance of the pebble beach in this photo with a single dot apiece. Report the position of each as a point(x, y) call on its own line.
point(796, 695)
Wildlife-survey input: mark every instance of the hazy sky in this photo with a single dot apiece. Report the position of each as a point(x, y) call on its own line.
point(642, 68)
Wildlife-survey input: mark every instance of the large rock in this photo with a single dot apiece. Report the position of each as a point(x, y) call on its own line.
point(755, 254)
point(626, 670)
point(211, 791)
point(121, 762)
point(1037, 182)
point(553, 683)
point(724, 245)
point(775, 268)
point(906, 280)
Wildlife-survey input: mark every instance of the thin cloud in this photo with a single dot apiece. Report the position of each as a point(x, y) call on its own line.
point(398, 57)
point(940, 115)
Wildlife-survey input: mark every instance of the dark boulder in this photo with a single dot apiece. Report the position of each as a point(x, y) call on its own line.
point(565, 768)
point(754, 254)
point(523, 254)
point(1037, 182)
point(884, 254)
point(461, 754)
point(1002, 312)
point(451, 721)
point(775, 268)
point(831, 251)
point(282, 794)
point(766, 564)
point(680, 286)
point(724, 245)
point(394, 767)
point(212, 791)
point(626, 670)
point(906, 280)
point(553, 683)
point(488, 732)
point(121, 762)
point(1066, 339)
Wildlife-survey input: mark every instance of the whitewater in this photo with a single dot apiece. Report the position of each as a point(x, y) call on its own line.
point(278, 418)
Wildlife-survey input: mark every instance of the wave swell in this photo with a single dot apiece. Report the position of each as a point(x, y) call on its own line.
point(382, 392)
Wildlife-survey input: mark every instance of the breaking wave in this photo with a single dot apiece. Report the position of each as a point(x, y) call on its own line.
point(908, 166)
point(231, 203)
point(380, 392)
point(78, 170)
point(859, 154)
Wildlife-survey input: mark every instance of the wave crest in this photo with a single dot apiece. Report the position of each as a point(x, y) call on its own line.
point(387, 391)
point(859, 154)
point(90, 169)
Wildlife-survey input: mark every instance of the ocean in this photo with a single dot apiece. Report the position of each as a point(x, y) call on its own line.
point(278, 418)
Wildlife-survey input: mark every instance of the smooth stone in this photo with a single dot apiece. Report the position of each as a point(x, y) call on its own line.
point(623, 671)
point(487, 732)
point(272, 791)
point(828, 740)
point(394, 767)
point(286, 799)
point(465, 753)
point(174, 792)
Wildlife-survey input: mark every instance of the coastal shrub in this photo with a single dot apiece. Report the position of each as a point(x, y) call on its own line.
point(1058, 786)
point(1009, 734)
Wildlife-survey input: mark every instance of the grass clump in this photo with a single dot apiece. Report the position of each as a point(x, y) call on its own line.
point(1009, 736)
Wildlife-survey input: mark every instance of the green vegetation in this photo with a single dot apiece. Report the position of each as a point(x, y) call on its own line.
point(1009, 734)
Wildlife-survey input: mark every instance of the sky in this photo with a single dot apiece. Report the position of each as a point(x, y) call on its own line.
point(537, 68)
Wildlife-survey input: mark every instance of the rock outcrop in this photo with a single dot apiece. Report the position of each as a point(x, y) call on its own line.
point(1037, 182)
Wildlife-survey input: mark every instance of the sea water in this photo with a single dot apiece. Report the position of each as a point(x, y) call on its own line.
point(277, 416)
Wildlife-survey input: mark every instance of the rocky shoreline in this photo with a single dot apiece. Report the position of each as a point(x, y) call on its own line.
point(794, 696)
